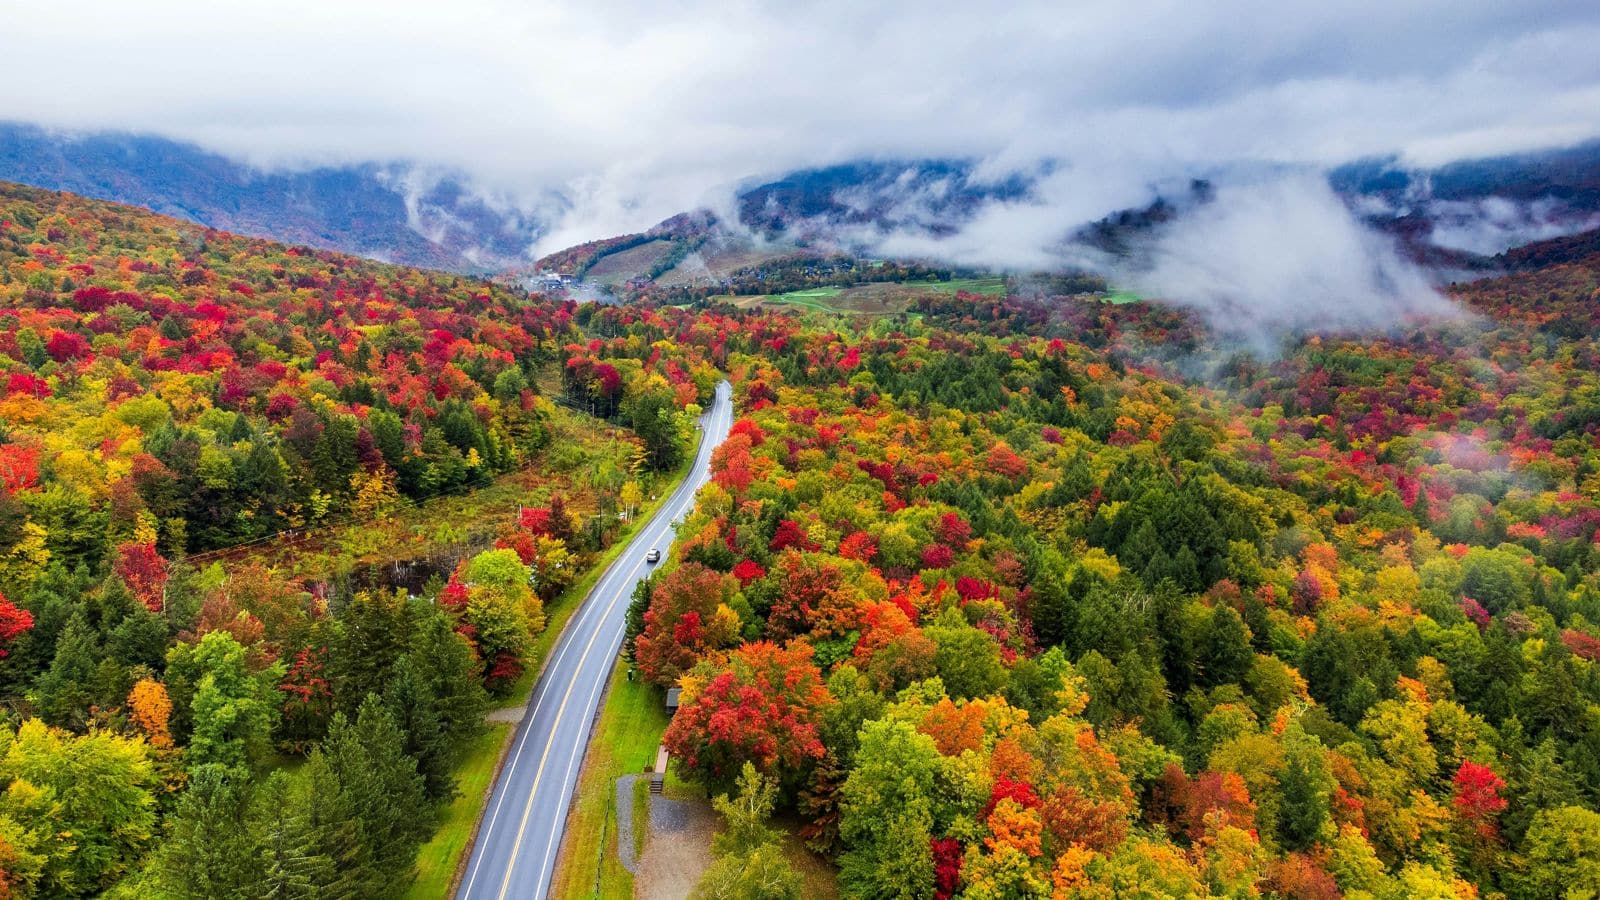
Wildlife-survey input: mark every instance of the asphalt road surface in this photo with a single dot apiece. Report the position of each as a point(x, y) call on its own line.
point(520, 835)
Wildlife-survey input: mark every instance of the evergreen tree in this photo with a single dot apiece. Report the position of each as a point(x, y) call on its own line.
point(1225, 654)
point(415, 711)
point(373, 631)
point(291, 865)
point(212, 850)
point(385, 793)
point(65, 693)
point(1307, 785)
point(1050, 604)
point(334, 833)
point(447, 665)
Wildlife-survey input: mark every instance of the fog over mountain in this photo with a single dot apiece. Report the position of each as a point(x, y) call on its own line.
point(950, 130)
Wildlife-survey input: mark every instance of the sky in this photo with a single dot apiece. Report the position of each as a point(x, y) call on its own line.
point(636, 110)
point(650, 105)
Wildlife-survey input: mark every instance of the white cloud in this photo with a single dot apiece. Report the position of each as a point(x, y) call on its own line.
point(636, 110)
point(1284, 253)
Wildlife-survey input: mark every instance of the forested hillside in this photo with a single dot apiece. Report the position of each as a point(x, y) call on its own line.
point(176, 726)
point(1004, 606)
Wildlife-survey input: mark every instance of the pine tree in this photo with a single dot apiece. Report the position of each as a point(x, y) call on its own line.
point(446, 662)
point(1049, 606)
point(373, 631)
point(1306, 788)
point(212, 851)
point(385, 792)
point(291, 865)
point(333, 831)
point(1225, 654)
point(67, 691)
point(415, 711)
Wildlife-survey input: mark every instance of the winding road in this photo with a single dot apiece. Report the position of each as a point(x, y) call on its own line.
point(520, 834)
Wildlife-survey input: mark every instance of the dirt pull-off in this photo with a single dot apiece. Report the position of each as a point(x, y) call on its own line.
point(677, 851)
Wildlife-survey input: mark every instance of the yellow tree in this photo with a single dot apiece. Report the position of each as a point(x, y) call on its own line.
point(632, 496)
point(151, 709)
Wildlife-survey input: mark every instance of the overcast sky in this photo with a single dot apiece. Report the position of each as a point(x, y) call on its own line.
point(640, 109)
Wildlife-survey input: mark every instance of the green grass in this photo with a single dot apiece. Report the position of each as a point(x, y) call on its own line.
point(641, 815)
point(810, 298)
point(993, 286)
point(1122, 296)
point(873, 298)
point(625, 741)
point(438, 859)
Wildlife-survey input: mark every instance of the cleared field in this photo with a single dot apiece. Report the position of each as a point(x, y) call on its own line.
point(1122, 296)
point(615, 268)
point(875, 298)
point(719, 259)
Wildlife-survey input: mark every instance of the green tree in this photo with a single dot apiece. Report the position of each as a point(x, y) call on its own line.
point(212, 849)
point(234, 709)
point(967, 658)
point(292, 864)
point(1225, 653)
point(386, 795)
point(447, 666)
point(415, 711)
point(501, 607)
point(1563, 854)
point(66, 692)
point(374, 630)
point(334, 833)
point(92, 794)
point(762, 874)
point(745, 815)
point(1307, 785)
point(886, 815)
point(750, 862)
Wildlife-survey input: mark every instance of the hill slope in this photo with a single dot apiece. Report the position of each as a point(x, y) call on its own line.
point(386, 212)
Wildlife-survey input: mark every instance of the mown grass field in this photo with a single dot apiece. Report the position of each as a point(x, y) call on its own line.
point(874, 298)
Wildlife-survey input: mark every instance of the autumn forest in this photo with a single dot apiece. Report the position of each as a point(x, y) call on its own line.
point(1021, 594)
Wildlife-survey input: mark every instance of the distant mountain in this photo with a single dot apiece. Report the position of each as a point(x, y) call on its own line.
point(1479, 207)
point(1457, 217)
point(930, 195)
point(389, 212)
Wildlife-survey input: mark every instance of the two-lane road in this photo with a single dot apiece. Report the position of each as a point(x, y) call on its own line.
point(520, 835)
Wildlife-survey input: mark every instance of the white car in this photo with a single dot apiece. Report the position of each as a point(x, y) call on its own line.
point(653, 557)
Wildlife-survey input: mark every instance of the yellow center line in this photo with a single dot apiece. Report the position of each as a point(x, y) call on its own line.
point(550, 739)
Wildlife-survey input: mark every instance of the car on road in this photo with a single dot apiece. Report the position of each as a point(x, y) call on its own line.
point(653, 557)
